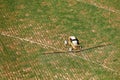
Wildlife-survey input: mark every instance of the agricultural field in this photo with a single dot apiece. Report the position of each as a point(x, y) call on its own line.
point(31, 28)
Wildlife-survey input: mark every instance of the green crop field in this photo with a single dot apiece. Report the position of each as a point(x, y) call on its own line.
point(31, 28)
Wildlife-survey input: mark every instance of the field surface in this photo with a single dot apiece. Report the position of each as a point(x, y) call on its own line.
point(31, 28)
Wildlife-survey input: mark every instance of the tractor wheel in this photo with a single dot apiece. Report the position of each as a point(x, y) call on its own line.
point(65, 42)
point(70, 49)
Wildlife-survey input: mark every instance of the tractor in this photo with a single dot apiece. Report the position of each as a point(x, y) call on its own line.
point(73, 42)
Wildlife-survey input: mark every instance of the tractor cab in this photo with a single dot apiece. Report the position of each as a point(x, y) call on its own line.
point(73, 40)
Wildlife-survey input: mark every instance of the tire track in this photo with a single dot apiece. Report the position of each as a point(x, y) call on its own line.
point(101, 6)
point(32, 42)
